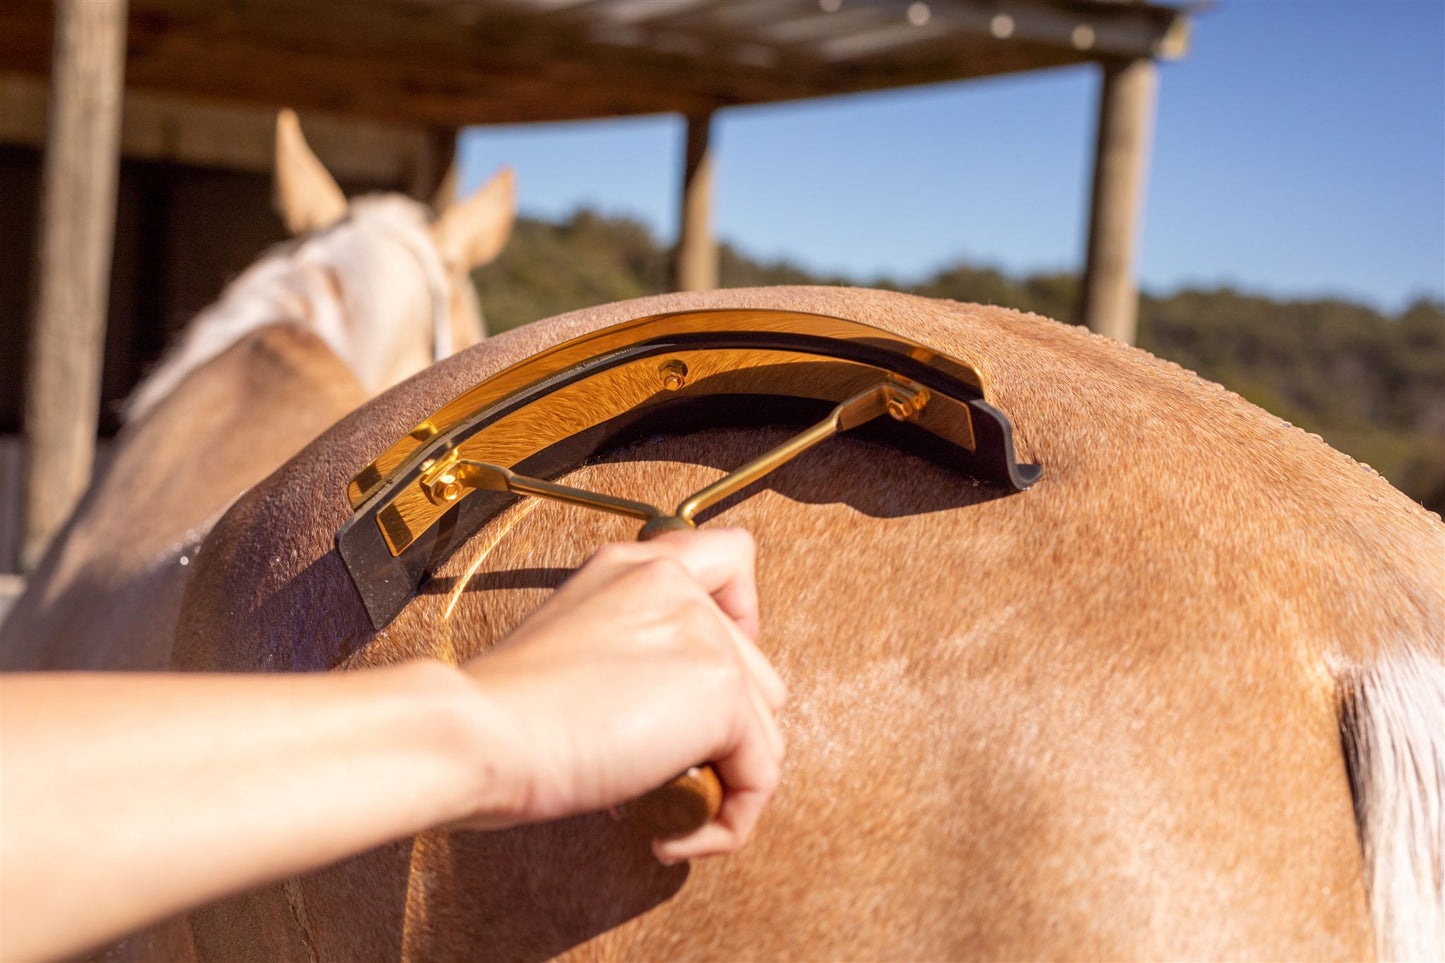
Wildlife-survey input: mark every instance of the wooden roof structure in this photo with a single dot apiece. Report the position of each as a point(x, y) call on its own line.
point(452, 63)
point(384, 86)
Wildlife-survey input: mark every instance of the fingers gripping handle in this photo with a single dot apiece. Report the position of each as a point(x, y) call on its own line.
point(689, 801)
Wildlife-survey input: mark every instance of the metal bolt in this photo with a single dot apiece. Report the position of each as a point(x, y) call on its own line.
point(902, 406)
point(674, 374)
point(447, 488)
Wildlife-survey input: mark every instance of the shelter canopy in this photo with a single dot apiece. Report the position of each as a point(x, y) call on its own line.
point(450, 63)
point(385, 84)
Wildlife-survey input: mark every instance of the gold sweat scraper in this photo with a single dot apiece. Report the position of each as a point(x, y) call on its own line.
point(668, 373)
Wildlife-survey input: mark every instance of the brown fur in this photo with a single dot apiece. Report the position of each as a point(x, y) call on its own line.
point(1094, 720)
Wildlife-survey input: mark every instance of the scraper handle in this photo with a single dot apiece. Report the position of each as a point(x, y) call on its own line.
point(687, 802)
point(679, 807)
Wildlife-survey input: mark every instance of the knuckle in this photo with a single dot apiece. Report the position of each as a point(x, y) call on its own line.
point(662, 571)
point(768, 780)
point(719, 682)
point(745, 541)
point(724, 674)
point(614, 553)
point(660, 580)
point(736, 539)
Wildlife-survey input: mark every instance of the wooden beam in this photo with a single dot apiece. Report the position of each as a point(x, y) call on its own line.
point(77, 223)
point(182, 130)
point(696, 266)
point(1122, 31)
point(1126, 119)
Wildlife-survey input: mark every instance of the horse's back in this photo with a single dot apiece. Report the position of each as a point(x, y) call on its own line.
point(1095, 719)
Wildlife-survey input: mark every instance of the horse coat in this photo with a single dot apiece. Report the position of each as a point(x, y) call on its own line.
point(1116, 716)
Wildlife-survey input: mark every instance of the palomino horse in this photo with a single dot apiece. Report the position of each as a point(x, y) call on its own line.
point(1183, 698)
point(372, 293)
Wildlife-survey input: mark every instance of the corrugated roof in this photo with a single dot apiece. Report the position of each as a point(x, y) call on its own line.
point(449, 63)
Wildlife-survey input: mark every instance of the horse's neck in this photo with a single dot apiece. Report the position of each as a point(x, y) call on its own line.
point(281, 288)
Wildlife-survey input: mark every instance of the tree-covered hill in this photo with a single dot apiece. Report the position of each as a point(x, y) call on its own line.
point(1372, 385)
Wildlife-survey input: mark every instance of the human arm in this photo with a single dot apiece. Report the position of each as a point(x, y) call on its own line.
point(128, 798)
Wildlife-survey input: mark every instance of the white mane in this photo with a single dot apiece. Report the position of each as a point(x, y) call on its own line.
point(372, 286)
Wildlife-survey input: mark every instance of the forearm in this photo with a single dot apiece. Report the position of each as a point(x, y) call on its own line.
point(172, 791)
point(125, 799)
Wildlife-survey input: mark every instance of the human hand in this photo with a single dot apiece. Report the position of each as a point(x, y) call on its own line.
point(642, 664)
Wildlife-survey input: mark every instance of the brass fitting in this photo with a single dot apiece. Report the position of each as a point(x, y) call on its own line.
point(900, 405)
point(674, 374)
point(439, 479)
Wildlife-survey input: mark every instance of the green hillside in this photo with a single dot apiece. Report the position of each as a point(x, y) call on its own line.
point(1372, 385)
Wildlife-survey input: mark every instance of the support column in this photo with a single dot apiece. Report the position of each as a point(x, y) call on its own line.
point(696, 266)
point(77, 226)
point(1110, 302)
point(434, 179)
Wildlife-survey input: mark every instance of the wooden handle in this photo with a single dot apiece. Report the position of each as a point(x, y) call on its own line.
point(687, 802)
point(679, 807)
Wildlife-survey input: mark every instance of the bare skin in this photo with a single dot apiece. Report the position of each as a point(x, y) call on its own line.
point(178, 790)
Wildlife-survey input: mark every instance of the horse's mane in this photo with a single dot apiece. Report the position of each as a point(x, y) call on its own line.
point(324, 280)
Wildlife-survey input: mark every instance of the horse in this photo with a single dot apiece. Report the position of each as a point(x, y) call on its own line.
point(369, 292)
point(1184, 698)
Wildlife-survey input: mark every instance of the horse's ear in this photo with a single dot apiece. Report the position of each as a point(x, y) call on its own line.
point(473, 232)
point(307, 197)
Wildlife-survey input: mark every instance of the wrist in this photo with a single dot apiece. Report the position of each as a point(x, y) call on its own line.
point(460, 722)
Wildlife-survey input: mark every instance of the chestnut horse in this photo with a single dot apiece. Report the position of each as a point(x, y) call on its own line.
point(1183, 698)
point(371, 294)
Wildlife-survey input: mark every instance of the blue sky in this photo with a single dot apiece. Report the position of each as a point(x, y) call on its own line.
point(1299, 151)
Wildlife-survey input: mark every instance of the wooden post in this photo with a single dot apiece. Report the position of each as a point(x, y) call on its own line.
point(1126, 116)
point(12, 457)
point(696, 265)
point(433, 179)
point(77, 226)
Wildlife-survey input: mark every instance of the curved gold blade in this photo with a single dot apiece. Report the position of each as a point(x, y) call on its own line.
point(680, 371)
